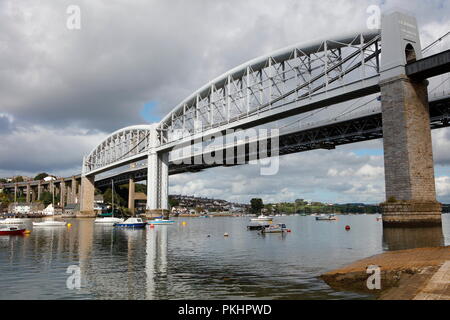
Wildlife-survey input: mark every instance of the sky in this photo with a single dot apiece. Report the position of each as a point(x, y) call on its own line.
point(63, 91)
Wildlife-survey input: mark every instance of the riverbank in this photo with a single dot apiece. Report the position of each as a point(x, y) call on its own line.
point(421, 274)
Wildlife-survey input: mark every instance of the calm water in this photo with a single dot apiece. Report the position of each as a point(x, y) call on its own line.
point(182, 262)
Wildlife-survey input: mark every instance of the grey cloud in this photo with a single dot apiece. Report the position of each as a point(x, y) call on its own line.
point(96, 80)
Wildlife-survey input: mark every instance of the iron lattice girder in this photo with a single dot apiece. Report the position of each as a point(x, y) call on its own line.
point(122, 145)
point(330, 136)
point(265, 83)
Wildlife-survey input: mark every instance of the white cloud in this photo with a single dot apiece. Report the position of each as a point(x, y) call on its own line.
point(62, 91)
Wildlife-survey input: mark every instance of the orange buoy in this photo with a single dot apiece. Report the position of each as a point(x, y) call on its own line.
point(152, 226)
point(288, 230)
point(347, 228)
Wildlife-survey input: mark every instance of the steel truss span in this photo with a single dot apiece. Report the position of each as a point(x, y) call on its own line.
point(287, 77)
point(366, 126)
point(127, 144)
point(290, 81)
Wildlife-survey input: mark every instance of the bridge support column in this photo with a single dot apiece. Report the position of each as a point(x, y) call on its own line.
point(87, 196)
point(158, 184)
point(39, 191)
point(28, 196)
point(73, 189)
point(408, 155)
point(62, 194)
point(33, 194)
point(131, 191)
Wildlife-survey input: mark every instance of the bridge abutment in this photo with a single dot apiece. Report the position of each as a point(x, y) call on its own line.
point(408, 155)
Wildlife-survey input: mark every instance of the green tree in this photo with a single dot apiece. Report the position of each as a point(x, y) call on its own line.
point(118, 198)
point(256, 205)
point(173, 202)
point(41, 176)
point(18, 179)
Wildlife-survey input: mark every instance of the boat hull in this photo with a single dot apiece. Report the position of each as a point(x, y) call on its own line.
point(130, 225)
point(12, 231)
point(46, 224)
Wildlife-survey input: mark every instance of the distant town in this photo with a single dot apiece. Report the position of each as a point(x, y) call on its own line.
point(180, 205)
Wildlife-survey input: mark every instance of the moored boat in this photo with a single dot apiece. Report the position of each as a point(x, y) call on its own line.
point(329, 217)
point(108, 220)
point(262, 218)
point(275, 228)
point(12, 221)
point(131, 223)
point(12, 230)
point(49, 223)
point(161, 222)
point(257, 226)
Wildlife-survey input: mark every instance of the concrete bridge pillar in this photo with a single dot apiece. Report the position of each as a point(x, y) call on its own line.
point(131, 191)
point(87, 193)
point(28, 195)
point(39, 191)
point(62, 194)
point(157, 181)
point(73, 189)
point(408, 154)
point(33, 194)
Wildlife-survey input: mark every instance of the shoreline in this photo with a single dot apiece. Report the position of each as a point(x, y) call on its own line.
point(420, 274)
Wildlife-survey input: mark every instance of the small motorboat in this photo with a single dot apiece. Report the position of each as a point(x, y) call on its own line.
point(12, 221)
point(329, 217)
point(257, 226)
point(108, 220)
point(49, 223)
point(262, 218)
point(12, 230)
point(275, 228)
point(131, 223)
point(161, 222)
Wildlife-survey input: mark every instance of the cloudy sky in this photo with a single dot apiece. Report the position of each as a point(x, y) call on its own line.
point(62, 91)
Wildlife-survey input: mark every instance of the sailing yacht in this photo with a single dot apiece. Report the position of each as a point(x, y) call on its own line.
point(110, 220)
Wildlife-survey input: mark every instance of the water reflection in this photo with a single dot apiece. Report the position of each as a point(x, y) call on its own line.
point(409, 238)
point(195, 260)
point(156, 261)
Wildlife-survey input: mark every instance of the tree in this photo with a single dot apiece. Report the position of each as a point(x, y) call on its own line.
point(173, 202)
point(3, 180)
point(118, 199)
point(41, 176)
point(256, 205)
point(18, 179)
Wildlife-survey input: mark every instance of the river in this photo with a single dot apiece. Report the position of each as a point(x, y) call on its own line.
point(195, 261)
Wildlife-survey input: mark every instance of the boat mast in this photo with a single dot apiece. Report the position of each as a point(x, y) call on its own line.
point(112, 182)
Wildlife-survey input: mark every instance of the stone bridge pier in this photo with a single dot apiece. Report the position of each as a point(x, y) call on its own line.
point(408, 154)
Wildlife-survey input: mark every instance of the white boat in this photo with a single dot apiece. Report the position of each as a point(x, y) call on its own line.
point(275, 228)
point(262, 218)
point(161, 222)
point(131, 223)
point(12, 221)
point(108, 220)
point(324, 217)
point(49, 223)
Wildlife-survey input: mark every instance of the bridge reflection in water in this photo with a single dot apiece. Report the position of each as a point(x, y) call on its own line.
point(410, 238)
point(182, 262)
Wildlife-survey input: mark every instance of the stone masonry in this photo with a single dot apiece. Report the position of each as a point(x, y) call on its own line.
point(408, 155)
